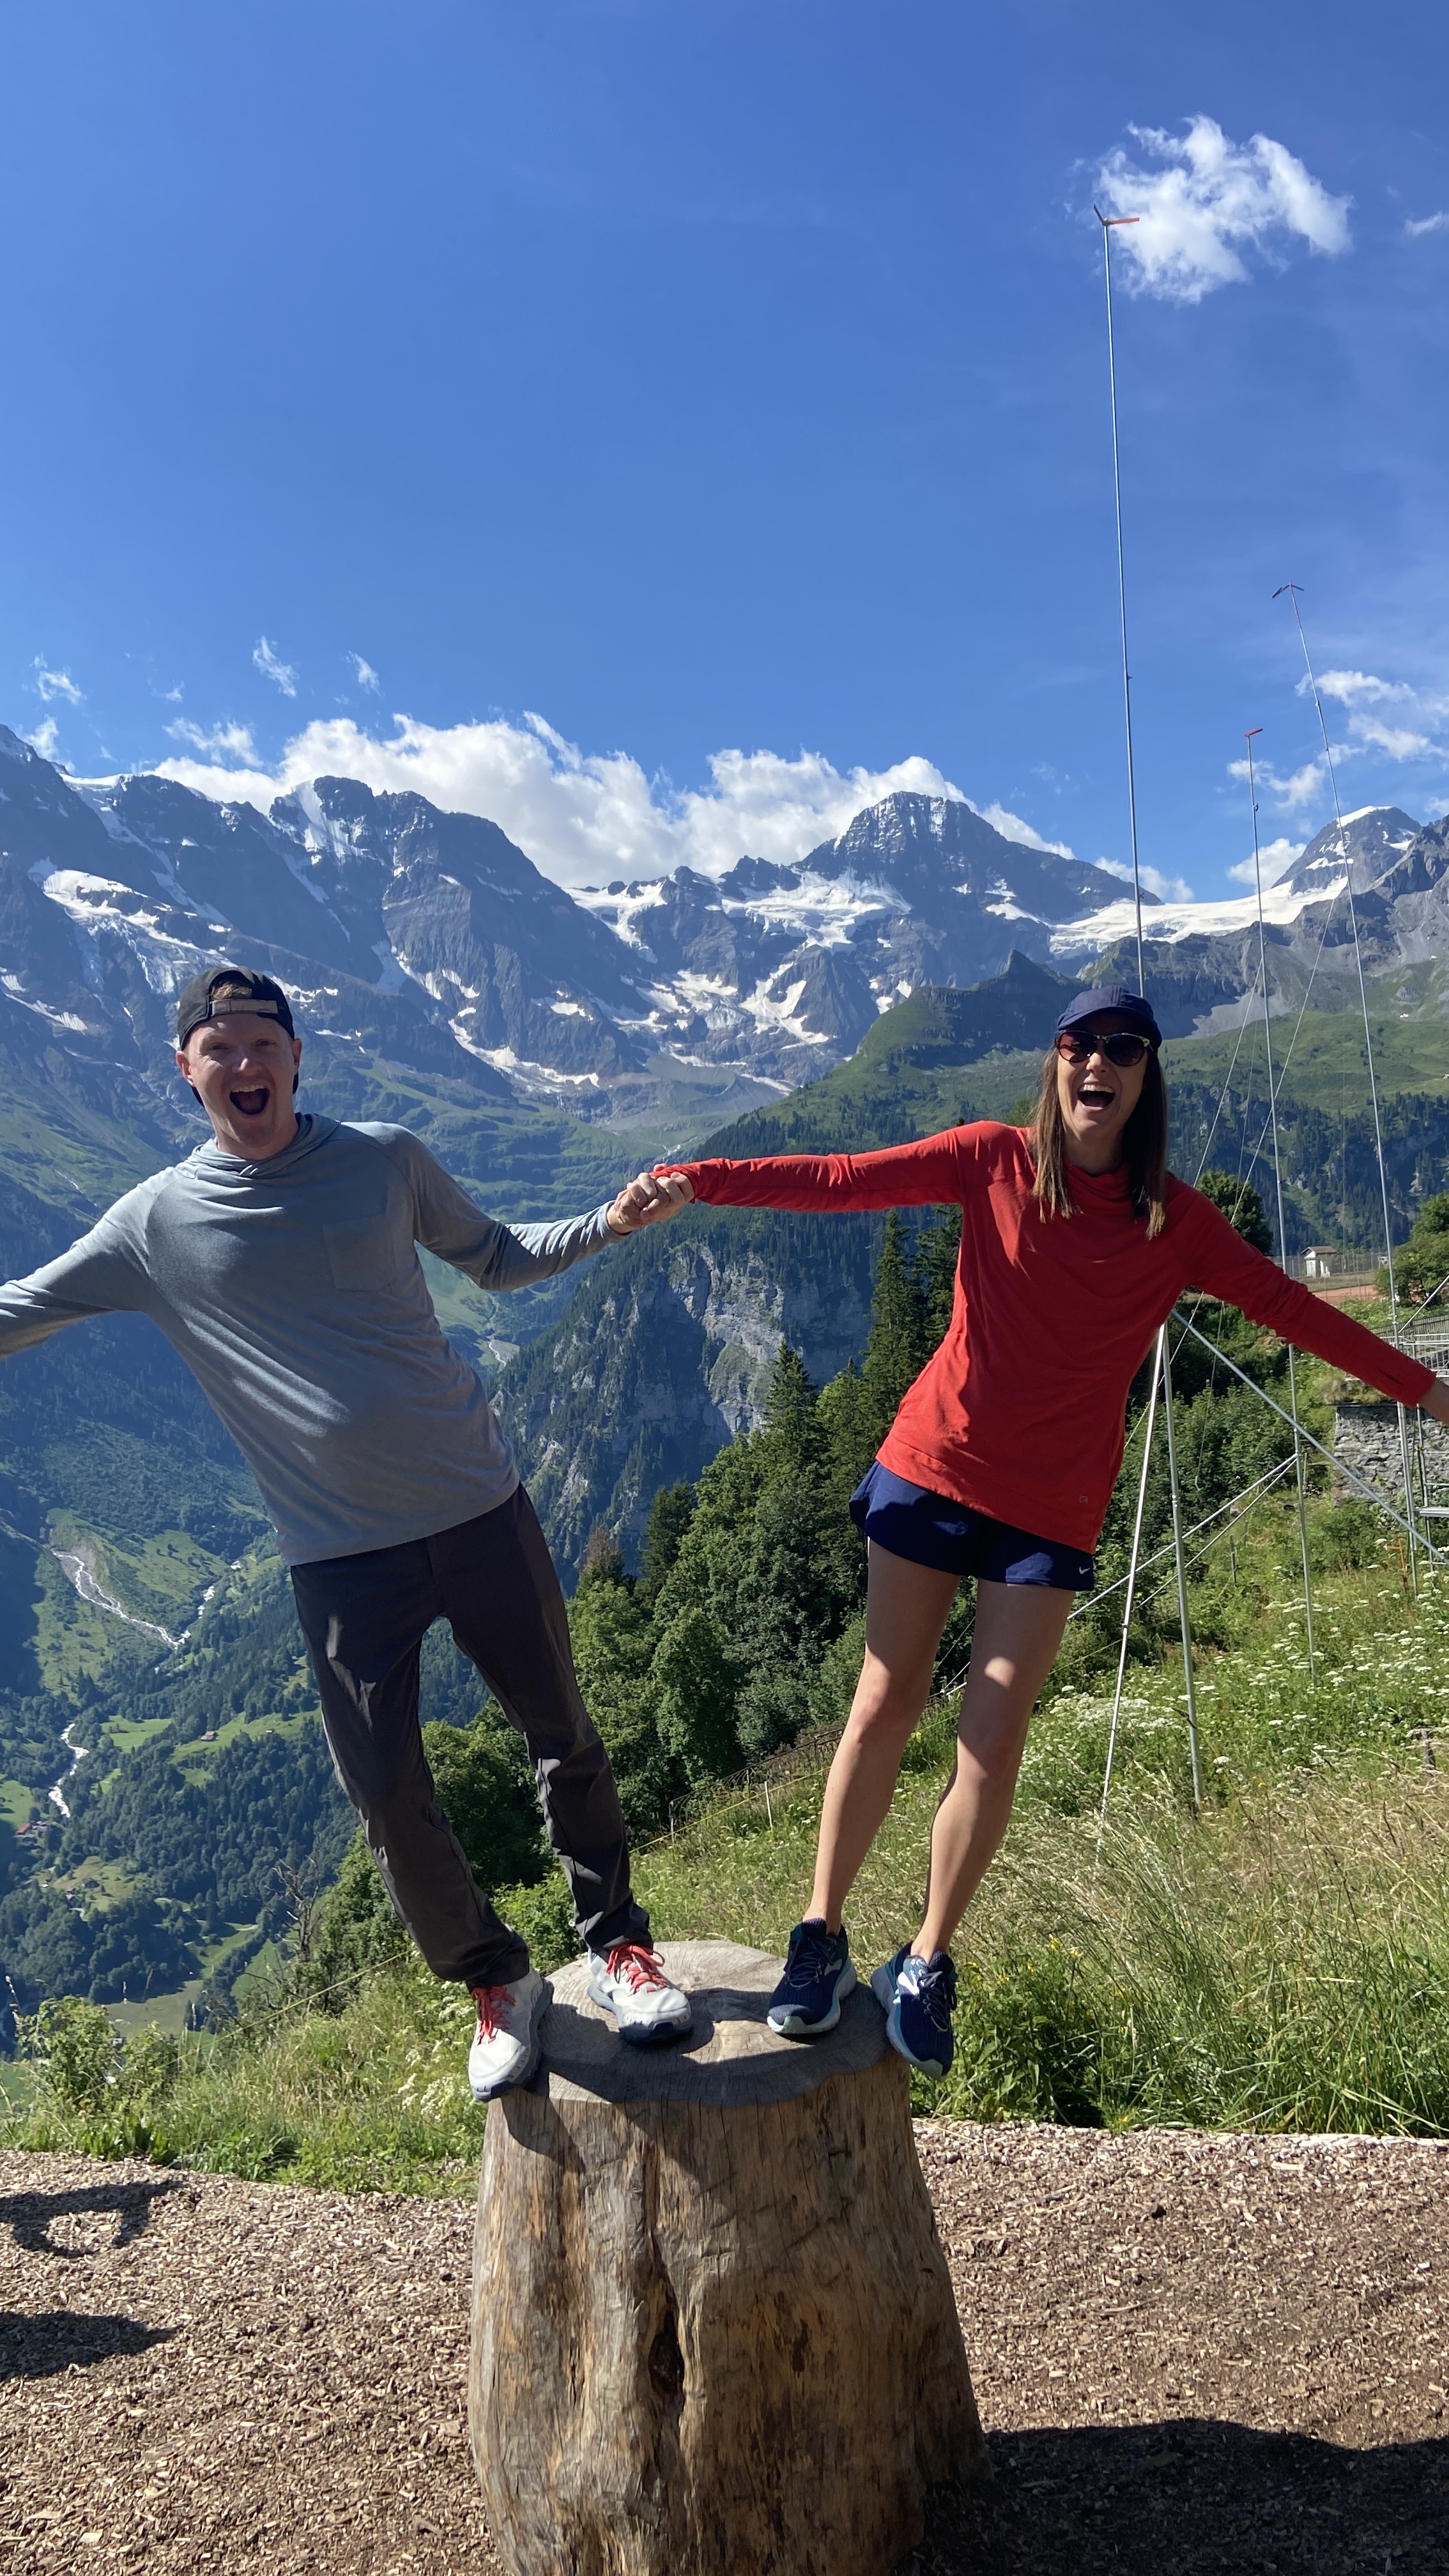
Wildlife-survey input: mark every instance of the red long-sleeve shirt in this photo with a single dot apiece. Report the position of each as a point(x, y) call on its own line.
point(1021, 1412)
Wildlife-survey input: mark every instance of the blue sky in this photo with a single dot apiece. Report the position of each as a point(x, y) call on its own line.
point(660, 423)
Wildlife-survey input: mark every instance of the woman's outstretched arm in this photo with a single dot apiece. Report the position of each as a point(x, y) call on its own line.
point(928, 1174)
point(1227, 1267)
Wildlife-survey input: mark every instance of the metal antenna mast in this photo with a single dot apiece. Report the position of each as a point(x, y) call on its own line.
point(1250, 737)
point(1110, 224)
point(1289, 589)
point(1163, 1361)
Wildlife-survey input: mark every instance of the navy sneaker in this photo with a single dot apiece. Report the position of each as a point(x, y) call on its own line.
point(819, 1973)
point(918, 1997)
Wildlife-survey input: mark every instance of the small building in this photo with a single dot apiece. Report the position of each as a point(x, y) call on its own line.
point(1318, 1261)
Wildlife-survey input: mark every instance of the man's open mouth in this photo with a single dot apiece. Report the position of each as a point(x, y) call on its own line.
point(250, 1104)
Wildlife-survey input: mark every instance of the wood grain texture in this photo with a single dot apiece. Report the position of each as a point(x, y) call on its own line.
point(713, 2329)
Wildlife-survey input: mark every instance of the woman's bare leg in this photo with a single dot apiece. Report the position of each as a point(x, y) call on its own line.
point(906, 1610)
point(1018, 1631)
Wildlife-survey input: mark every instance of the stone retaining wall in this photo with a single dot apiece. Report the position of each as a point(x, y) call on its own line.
point(1366, 1437)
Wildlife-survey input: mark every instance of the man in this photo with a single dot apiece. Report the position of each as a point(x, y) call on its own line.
point(281, 1261)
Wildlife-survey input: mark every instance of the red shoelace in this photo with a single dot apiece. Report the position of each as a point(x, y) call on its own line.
point(640, 1966)
point(490, 2001)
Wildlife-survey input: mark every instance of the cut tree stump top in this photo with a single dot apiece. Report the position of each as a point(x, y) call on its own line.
point(730, 2056)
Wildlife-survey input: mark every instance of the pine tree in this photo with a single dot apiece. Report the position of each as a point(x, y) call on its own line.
point(896, 1351)
point(613, 1643)
point(670, 1515)
point(937, 1250)
point(790, 1430)
point(847, 1419)
point(603, 1558)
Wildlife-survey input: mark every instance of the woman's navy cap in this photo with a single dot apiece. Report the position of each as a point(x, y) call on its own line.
point(1128, 1006)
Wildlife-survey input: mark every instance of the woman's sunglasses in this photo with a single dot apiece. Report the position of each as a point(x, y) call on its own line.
point(1121, 1048)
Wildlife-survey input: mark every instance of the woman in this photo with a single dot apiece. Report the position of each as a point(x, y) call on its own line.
point(1076, 1242)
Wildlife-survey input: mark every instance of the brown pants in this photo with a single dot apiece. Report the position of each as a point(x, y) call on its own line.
point(364, 1619)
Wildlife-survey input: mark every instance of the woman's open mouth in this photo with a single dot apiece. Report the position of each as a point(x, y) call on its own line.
point(1095, 1095)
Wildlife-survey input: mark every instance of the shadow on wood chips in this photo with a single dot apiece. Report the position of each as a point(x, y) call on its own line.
point(1191, 2497)
point(30, 2215)
point(42, 2346)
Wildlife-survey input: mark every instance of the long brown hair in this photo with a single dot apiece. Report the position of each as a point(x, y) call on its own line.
point(1144, 1148)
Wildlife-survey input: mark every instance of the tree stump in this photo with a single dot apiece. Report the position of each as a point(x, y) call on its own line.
point(713, 2328)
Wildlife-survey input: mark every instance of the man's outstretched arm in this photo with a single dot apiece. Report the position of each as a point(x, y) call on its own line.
point(499, 1256)
point(97, 1276)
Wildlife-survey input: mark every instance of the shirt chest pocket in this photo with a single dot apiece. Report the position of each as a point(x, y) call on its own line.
point(362, 1255)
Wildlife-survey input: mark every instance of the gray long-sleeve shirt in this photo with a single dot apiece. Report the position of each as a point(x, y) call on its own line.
point(293, 1291)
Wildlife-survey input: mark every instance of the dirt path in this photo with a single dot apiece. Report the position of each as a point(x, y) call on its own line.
point(1192, 2353)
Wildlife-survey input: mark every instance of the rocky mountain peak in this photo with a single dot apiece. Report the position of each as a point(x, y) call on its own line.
point(1369, 841)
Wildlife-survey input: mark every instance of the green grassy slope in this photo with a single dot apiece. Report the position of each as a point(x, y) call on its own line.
point(1321, 1058)
point(1278, 1963)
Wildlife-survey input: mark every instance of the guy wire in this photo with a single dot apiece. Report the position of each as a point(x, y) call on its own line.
point(1291, 590)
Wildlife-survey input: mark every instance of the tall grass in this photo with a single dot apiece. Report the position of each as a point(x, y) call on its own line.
point(371, 2098)
point(1279, 1962)
point(1283, 1965)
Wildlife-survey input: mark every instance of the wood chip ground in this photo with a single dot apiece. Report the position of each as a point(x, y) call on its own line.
point(1192, 2353)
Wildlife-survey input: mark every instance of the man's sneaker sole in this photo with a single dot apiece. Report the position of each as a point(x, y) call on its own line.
point(792, 2025)
point(640, 2034)
point(882, 1986)
point(529, 2068)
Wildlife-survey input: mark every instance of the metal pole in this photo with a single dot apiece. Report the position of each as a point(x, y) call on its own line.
point(1109, 224)
point(1291, 589)
point(1187, 1673)
point(1278, 1194)
point(1131, 1587)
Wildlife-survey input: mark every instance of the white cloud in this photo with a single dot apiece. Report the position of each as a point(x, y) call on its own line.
point(1300, 787)
point(56, 684)
point(1360, 690)
point(1354, 687)
point(1012, 828)
point(1397, 742)
point(582, 817)
point(1277, 857)
point(1427, 224)
point(365, 675)
point(1167, 889)
point(224, 741)
point(1213, 200)
point(272, 667)
point(45, 738)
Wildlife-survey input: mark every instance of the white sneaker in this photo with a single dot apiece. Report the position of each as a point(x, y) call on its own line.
point(629, 1981)
point(505, 2050)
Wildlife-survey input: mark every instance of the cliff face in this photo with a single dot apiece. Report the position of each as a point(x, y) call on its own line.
point(666, 1353)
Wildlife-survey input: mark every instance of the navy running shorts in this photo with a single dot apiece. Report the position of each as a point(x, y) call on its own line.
point(929, 1529)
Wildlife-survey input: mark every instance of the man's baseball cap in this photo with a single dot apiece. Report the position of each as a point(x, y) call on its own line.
point(218, 992)
point(1129, 1007)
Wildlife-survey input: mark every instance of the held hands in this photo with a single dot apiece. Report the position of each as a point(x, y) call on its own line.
point(649, 1199)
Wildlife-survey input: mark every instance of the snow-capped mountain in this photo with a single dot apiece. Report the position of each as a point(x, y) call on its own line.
point(785, 967)
point(1370, 840)
point(430, 941)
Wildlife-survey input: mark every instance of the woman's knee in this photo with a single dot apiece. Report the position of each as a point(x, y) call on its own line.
point(887, 1709)
point(992, 1752)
